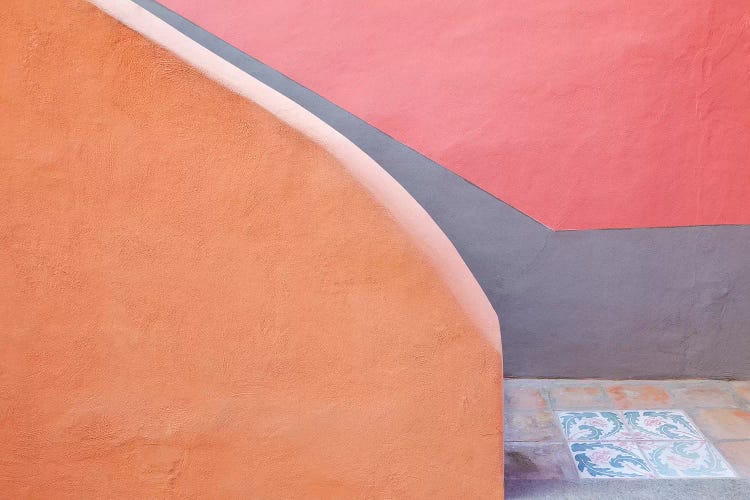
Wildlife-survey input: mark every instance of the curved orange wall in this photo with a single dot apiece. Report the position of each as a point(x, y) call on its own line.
point(196, 300)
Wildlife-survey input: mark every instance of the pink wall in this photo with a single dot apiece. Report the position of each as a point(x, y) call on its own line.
point(583, 114)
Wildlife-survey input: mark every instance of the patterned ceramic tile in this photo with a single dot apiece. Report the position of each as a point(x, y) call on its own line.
point(612, 459)
point(660, 424)
point(592, 426)
point(685, 459)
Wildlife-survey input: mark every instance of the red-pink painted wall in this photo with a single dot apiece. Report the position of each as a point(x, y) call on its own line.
point(583, 114)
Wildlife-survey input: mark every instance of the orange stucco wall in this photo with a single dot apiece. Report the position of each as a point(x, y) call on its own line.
point(197, 300)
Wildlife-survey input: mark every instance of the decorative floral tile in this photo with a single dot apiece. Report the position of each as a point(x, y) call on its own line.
point(685, 459)
point(660, 425)
point(592, 426)
point(612, 459)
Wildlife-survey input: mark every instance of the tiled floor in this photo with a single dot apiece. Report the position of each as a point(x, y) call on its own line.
point(579, 431)
point(639, 443)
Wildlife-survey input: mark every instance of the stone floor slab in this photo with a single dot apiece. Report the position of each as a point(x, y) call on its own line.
point(572, 397)
point(742, 389)
point(738, 454)
point(718, 395)
point(523, 396)
point(629, 489)
point(626, 396)
point(724, 423)
point(531, 426)
point(538, 461)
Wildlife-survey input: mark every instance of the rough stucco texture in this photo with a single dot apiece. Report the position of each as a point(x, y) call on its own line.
point(584, 114)
point(197, 301)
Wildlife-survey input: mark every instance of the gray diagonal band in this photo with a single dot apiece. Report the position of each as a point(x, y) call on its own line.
point(637, 303)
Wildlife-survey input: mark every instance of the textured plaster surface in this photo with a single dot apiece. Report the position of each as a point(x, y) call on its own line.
point(646, 303)
point(591, 114)
point(198, 301)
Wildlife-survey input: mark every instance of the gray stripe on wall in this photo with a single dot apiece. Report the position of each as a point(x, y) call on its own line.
point(637, 303)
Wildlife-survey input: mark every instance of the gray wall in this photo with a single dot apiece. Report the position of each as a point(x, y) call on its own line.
point(637, 303)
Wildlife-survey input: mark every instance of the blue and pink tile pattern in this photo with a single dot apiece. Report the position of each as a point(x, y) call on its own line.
point(640, 444)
